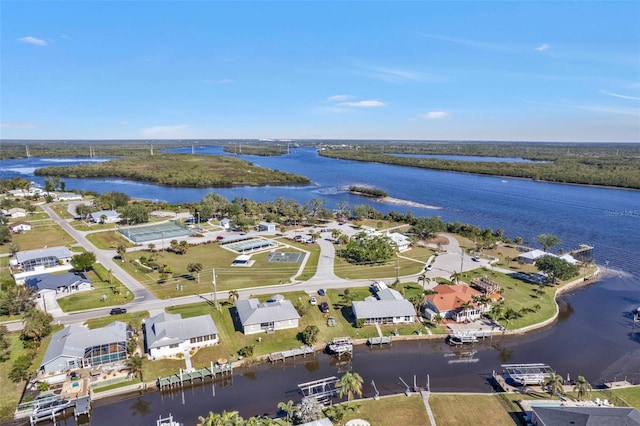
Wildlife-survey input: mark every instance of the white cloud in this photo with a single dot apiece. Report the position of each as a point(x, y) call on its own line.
point(617, 95)
point(221, 81)
point(339, 98)
point(18, 126)
point(33, 40)
point(435, 115)
point(363, 104)
point(542, 47)
point(165, 132)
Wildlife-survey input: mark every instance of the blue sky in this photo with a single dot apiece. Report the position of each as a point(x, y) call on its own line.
point(510, 70)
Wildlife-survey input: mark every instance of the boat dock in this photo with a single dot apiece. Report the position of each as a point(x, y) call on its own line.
point(527, 374)
point(291, 353)
point(380, 340)
point(321, 390)
point(214, 371)
point(340, 346)
point(51, 408)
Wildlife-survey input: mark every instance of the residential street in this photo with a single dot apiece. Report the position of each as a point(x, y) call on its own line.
point(443, 266)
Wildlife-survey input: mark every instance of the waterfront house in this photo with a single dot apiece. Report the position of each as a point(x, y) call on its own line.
point(550, 415)
point(277, 313)
point(105, 216)
point(77, 346)
point(530, 257)
point(68, 196)
point(453, 302)
point(21, 226)
point(59, 283)
point(169, 334)
point(387, 307)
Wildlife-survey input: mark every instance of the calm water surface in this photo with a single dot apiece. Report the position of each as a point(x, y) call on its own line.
point(593, 337)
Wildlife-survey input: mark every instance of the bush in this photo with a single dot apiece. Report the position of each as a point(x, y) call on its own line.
point(246, 351)
point(360, 323)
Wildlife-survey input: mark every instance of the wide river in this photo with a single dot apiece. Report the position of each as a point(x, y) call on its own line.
point(594, 336)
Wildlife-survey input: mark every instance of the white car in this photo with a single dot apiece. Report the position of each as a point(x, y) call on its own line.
point(313, 300)
point(429, 267)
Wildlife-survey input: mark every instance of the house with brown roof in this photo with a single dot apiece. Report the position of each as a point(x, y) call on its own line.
point(20, 226)
point(453, 302)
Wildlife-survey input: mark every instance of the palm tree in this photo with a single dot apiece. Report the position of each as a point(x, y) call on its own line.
point(121, 252)
point(350, 384)
point(438, 319)
point(554, 383)
point(135, 366)
point(288, 408)
point(582, 386)
point(455, 277)
point(510, 314)
point(234, 295)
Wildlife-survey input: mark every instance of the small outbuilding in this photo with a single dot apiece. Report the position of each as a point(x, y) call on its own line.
point(267, 227)
point(20, 226)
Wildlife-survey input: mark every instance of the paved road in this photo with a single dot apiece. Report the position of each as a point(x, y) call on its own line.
point(443, 266)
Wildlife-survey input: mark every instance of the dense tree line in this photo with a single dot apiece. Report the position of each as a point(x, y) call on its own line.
point(179, 170)
point(616, 171)
point(373, 192)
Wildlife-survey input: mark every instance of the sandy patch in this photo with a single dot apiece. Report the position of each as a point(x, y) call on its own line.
point(391, 200)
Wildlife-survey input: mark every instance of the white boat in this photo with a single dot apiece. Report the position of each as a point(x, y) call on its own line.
point(167, 421)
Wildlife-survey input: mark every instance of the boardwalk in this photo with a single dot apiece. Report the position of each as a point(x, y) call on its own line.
point(291, 353)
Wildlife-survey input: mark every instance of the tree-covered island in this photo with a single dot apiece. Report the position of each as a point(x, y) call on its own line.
point(180, 170)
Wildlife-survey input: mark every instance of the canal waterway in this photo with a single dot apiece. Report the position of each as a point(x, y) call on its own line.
point(593, 336)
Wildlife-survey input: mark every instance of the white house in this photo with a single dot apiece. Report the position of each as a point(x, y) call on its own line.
point(170, 334)
point(276, 313)
point(60, 283)
point(401, 242)
point(226, 224)
point(105, 216)
point(77, 346)
point(530, 257)
point(16, 213)
point(389, 307)
point(68, 196)
point(17, 227)
point(34, 262)
point(266, 226)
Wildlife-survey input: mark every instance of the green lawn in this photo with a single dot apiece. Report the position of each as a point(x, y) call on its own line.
point(109, 239)
point(212, 256)
point(115, 292)
point(132, 318)
point(61, 210)
point(43, 234)
point(476, 410)
point(409, 263)
point(393, 410)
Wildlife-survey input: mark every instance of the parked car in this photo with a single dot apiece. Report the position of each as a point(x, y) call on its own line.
point(118, 311)
point(313, 300)
point(475, 259)
point(219, 238)
point(429, 267)
point(321, 292)
point(324, 307)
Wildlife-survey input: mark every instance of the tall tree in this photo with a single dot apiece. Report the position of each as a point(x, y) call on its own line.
point(83, 261)
point(195, 267)
point(234, 295)
point(553, 382)
point(548, 241)
point(350, 384)
point(37, 325)
point(135, 365)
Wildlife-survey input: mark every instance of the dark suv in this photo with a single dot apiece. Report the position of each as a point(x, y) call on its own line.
point(324, 307)
point(118, 311)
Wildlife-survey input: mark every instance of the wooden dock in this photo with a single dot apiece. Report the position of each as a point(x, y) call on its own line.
point(340, 346)
point(212, 372)
point(50, 410)
point(291, 353)
point(380, 340)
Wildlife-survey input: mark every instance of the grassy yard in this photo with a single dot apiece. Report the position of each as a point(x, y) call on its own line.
point(61, 210)
point(393, 410)
point(630, 396)
point(109, 239)
point(115, 292)
point(213, 256)
point(476, 410)
point(44, 233)
point(409, 263)
point(132, 318)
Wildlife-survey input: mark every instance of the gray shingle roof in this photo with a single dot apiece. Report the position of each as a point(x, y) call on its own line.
point(54, 282)
point(60, 252)
point(251, 311)
point(72, 340)
point(383, 309)
point(588, 416)
point(167, 329)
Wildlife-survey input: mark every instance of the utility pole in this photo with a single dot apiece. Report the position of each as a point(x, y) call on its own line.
point(215, 288)
point(397, 268)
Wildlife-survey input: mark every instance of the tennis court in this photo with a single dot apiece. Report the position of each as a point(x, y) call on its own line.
point(285, 257)
point(160, 231)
